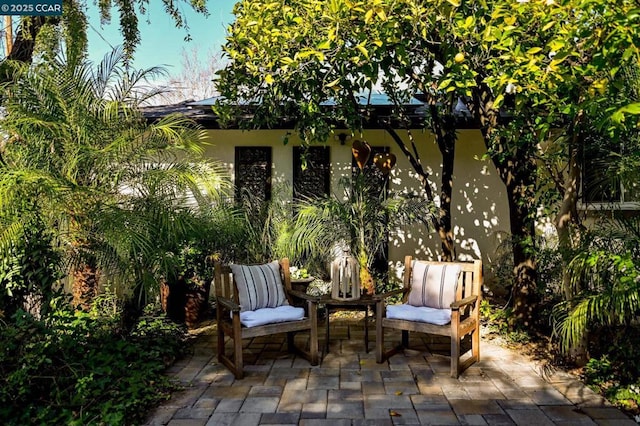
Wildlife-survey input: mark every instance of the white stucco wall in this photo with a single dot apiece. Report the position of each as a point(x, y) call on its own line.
point(480, 215)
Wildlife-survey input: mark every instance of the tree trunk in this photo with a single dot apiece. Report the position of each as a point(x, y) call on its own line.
point(444, 212)
point(8, 35)
point(566, 222)
point(85, 286)
point(522, 227)
point(24, 43)
point(444, 128)
point(517, 169)
point(567, 216)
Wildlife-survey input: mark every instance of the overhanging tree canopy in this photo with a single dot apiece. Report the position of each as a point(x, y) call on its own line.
point(72, 26)
point(536, 54)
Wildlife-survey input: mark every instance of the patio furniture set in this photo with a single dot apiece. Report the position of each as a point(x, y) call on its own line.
point(441, 298)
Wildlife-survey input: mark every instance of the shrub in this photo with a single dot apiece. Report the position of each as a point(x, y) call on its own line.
point(497, 321)
point(79, 368)
point(613, 379)
point(29, 270)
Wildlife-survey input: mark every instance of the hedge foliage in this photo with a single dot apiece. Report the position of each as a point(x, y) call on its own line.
point(78, 368)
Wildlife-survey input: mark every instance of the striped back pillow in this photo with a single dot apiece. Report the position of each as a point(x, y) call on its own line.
point(259, 286)
point(433, 286)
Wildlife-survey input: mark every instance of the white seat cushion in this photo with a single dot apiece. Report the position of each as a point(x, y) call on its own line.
point(419, 314)
point(271, 315)
point(433, 286)
point(259, 286)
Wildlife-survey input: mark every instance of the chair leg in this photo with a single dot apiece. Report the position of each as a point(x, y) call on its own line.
point(379, 334)
point(237, 345)
point(455, 344)
point(313, 333)
point(475, 344)
point(220, 348)
point(291, 347)
point(405, 339)
point(455, 357)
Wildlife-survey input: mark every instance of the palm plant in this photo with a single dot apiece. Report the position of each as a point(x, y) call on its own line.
point(606, 281)
point(115, 189)
point(268, 225)
point(360, 221)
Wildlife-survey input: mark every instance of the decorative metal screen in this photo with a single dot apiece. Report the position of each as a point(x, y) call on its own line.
point(314, 181)
point(253, 172)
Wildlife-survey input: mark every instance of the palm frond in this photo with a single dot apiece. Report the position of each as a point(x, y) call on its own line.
point(605, 277)
point(106, 71)
point(117, 190)
point(9, 235)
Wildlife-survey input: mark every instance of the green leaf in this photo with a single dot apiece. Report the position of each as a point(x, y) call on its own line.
point(633, 109)
point(560, 56)
point(548, 25)
point(468, 23)
point(308, 53)
point(363, 49)
point(455, 3)
point(368, 16)
point(333, 83)
point(498, 101)
point(444, 83)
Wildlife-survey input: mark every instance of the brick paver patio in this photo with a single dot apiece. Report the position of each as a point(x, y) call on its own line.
point(350, 388)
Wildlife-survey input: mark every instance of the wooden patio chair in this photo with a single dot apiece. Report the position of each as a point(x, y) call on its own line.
point(257, 300)
point(441, 298)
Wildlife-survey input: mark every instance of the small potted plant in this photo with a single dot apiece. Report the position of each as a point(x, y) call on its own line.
point(300, 278)
point(186, 296)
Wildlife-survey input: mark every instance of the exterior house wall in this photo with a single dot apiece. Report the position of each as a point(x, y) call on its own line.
point(480, 215)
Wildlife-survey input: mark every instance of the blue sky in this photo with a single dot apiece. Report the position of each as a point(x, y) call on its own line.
point(161, 42)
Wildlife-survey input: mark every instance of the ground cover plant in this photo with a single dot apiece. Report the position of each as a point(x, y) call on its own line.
point(78, 368)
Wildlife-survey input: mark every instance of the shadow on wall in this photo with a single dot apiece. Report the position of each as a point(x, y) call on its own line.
point(479, 224)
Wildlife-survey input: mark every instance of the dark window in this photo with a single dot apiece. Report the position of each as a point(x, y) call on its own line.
point(597, 183)
point(315, 180)
point(253, 172)
point(600, 183)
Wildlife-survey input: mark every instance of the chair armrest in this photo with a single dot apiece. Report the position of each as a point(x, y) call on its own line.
point(382, 296)
point(228, 303)
point(303, 295)
point(463, 302)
